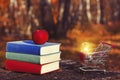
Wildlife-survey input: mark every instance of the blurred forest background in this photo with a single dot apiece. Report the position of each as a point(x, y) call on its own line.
point(72, 20)
point(59, 17)
point(68, 21)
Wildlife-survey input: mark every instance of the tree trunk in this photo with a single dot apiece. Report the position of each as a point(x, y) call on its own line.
point(107, 11)
point(63, 18)
point(47, 17)
point(88, 10)
point(118, 4)
point(102, 21)
point(98, 12)
point(84, 13)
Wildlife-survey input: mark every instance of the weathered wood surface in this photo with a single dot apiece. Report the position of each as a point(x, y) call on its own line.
point(69, 71)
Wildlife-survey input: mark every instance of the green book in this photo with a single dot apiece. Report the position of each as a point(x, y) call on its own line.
point(33, 58)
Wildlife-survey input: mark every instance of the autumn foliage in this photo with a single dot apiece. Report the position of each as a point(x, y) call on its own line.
point(59, 17)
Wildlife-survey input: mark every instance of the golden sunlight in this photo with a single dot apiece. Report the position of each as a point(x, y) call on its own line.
point(87, 47)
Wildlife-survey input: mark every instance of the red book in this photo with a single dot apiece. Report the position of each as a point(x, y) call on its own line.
point(30, 67)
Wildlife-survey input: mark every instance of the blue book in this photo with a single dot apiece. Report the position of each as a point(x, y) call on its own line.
point(29, 47)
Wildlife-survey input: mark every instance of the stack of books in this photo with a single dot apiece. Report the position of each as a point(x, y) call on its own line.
point(26, 56)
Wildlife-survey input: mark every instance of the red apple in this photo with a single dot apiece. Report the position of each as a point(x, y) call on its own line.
point(40, 36)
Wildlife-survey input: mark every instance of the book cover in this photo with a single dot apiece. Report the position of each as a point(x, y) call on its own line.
point(29, 47)
point(33, 58)
point(19, 66)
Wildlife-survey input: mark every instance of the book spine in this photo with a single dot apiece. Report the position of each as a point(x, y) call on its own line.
point(23, 57)
point(21, 48)
point(22, 66)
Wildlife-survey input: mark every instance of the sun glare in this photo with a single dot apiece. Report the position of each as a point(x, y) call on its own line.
point(87, 47)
